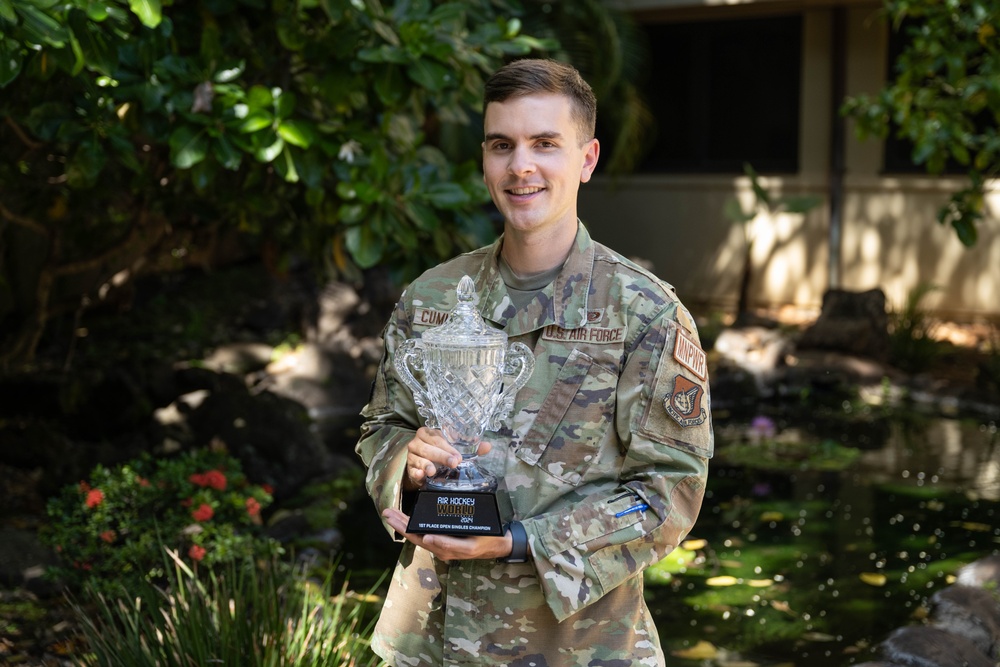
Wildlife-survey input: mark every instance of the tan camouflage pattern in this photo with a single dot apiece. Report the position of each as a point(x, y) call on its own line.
point(589, 436)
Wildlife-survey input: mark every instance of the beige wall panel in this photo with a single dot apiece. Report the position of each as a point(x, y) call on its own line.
point(677, 225)
point(892, 240)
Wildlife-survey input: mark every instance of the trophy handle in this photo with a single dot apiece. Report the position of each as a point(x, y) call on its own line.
point(412, 352)
point(519, 360)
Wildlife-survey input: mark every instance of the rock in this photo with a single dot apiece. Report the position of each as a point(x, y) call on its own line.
point(928, 646)
point(269, 434)
point(758, 351)
point(983, 572)
point(963, 628)
point(970, 612)
point(23, 559)
point(855, 323)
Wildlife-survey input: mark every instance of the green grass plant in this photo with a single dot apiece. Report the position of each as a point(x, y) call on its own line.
point(251, 614)
point(912, 346)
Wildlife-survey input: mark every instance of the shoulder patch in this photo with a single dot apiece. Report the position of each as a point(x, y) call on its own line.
point(690, 356)
point(684, 402)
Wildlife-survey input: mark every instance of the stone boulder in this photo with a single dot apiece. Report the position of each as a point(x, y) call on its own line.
point(854, 323)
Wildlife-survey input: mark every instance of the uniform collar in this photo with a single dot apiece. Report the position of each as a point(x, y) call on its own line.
point(563, 302)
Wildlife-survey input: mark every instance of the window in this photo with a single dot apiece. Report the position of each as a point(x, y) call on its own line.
point(724, 93)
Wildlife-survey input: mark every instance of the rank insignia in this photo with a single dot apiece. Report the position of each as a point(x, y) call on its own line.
point(684, 403)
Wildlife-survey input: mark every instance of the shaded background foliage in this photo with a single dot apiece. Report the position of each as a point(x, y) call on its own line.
point(144, 137)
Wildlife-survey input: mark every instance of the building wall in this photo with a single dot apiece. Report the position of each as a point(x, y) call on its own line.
point(890, 236)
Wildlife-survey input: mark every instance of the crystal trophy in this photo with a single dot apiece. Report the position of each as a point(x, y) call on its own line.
point(464, 363)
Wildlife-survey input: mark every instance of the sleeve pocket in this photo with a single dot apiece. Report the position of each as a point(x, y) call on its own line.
point(678, 413)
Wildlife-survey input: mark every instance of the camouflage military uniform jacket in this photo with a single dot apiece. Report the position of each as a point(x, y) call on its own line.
point(615, 414)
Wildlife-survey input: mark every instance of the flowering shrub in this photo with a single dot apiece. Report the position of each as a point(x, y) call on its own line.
point(112, 526)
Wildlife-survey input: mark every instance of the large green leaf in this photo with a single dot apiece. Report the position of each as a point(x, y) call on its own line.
point(431, 75)
point(270, 150)
point(285, 166)
point(150, 12)
point(87, 164)
point(297, 132)
point(97, 53)
point(446, 195)
point(226, 153)
point(7, 11)
point(365, 246)
point(40, 28)
point(188, 146)
point(309, 166)
point(255, 121)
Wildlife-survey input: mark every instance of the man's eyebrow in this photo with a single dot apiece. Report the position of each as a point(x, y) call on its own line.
point(541, 135)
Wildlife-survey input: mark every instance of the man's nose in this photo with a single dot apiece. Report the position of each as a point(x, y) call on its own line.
point(521, 161)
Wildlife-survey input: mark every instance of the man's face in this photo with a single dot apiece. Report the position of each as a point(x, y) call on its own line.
point(534, 160)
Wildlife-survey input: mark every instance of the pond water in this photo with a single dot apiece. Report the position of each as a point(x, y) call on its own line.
point(819, 538)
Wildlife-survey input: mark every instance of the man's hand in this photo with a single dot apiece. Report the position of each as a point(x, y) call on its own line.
point(427, 451)
point(447, 547)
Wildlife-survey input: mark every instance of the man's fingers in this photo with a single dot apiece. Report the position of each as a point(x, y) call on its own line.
point(432, 446)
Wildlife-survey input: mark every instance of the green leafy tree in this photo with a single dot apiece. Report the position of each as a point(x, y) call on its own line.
point(140, 134)
point(945, 96)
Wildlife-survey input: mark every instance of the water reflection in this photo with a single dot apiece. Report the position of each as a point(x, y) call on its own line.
point(959, 454)
point(794, 565)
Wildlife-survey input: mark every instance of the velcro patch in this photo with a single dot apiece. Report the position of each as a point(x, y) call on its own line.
point(690, 356)
point(683, 403)
point(428, 317)
point(599, 335)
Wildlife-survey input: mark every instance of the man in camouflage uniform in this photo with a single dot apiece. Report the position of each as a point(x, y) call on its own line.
point(605, 455)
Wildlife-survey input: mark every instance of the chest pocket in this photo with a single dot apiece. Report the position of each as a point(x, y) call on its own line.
point(573, 418)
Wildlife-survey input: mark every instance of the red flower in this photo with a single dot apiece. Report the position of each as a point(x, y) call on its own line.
point(84, 487)
point(268, 489)
point(143, 481)
point(94, 498)
point(213, 478)
point(253, 507)
point(196, 552)
point(108, 536)
point(203, 513)
point(186, 502)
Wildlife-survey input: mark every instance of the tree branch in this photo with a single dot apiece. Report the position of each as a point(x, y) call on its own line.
point(33, 225)
point(25, 139)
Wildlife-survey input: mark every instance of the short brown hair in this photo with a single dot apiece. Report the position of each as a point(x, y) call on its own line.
point(533, 75)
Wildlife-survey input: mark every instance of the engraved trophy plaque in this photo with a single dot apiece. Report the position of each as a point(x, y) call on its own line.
point(464, 362)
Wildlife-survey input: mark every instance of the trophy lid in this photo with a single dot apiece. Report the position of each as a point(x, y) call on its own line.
point(465, 326)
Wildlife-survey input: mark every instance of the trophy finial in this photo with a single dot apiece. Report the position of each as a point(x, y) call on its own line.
point(467, 291)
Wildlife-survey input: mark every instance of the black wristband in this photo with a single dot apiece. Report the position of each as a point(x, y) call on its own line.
point(519, 549)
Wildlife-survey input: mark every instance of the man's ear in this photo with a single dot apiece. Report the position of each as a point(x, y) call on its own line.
point(593, 151)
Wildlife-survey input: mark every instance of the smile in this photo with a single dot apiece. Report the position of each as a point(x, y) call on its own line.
point(524, 191)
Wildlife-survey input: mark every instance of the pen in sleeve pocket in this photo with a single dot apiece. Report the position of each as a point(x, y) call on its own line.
point(641, 507)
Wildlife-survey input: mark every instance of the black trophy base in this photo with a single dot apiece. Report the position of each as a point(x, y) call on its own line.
point(455, 513)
